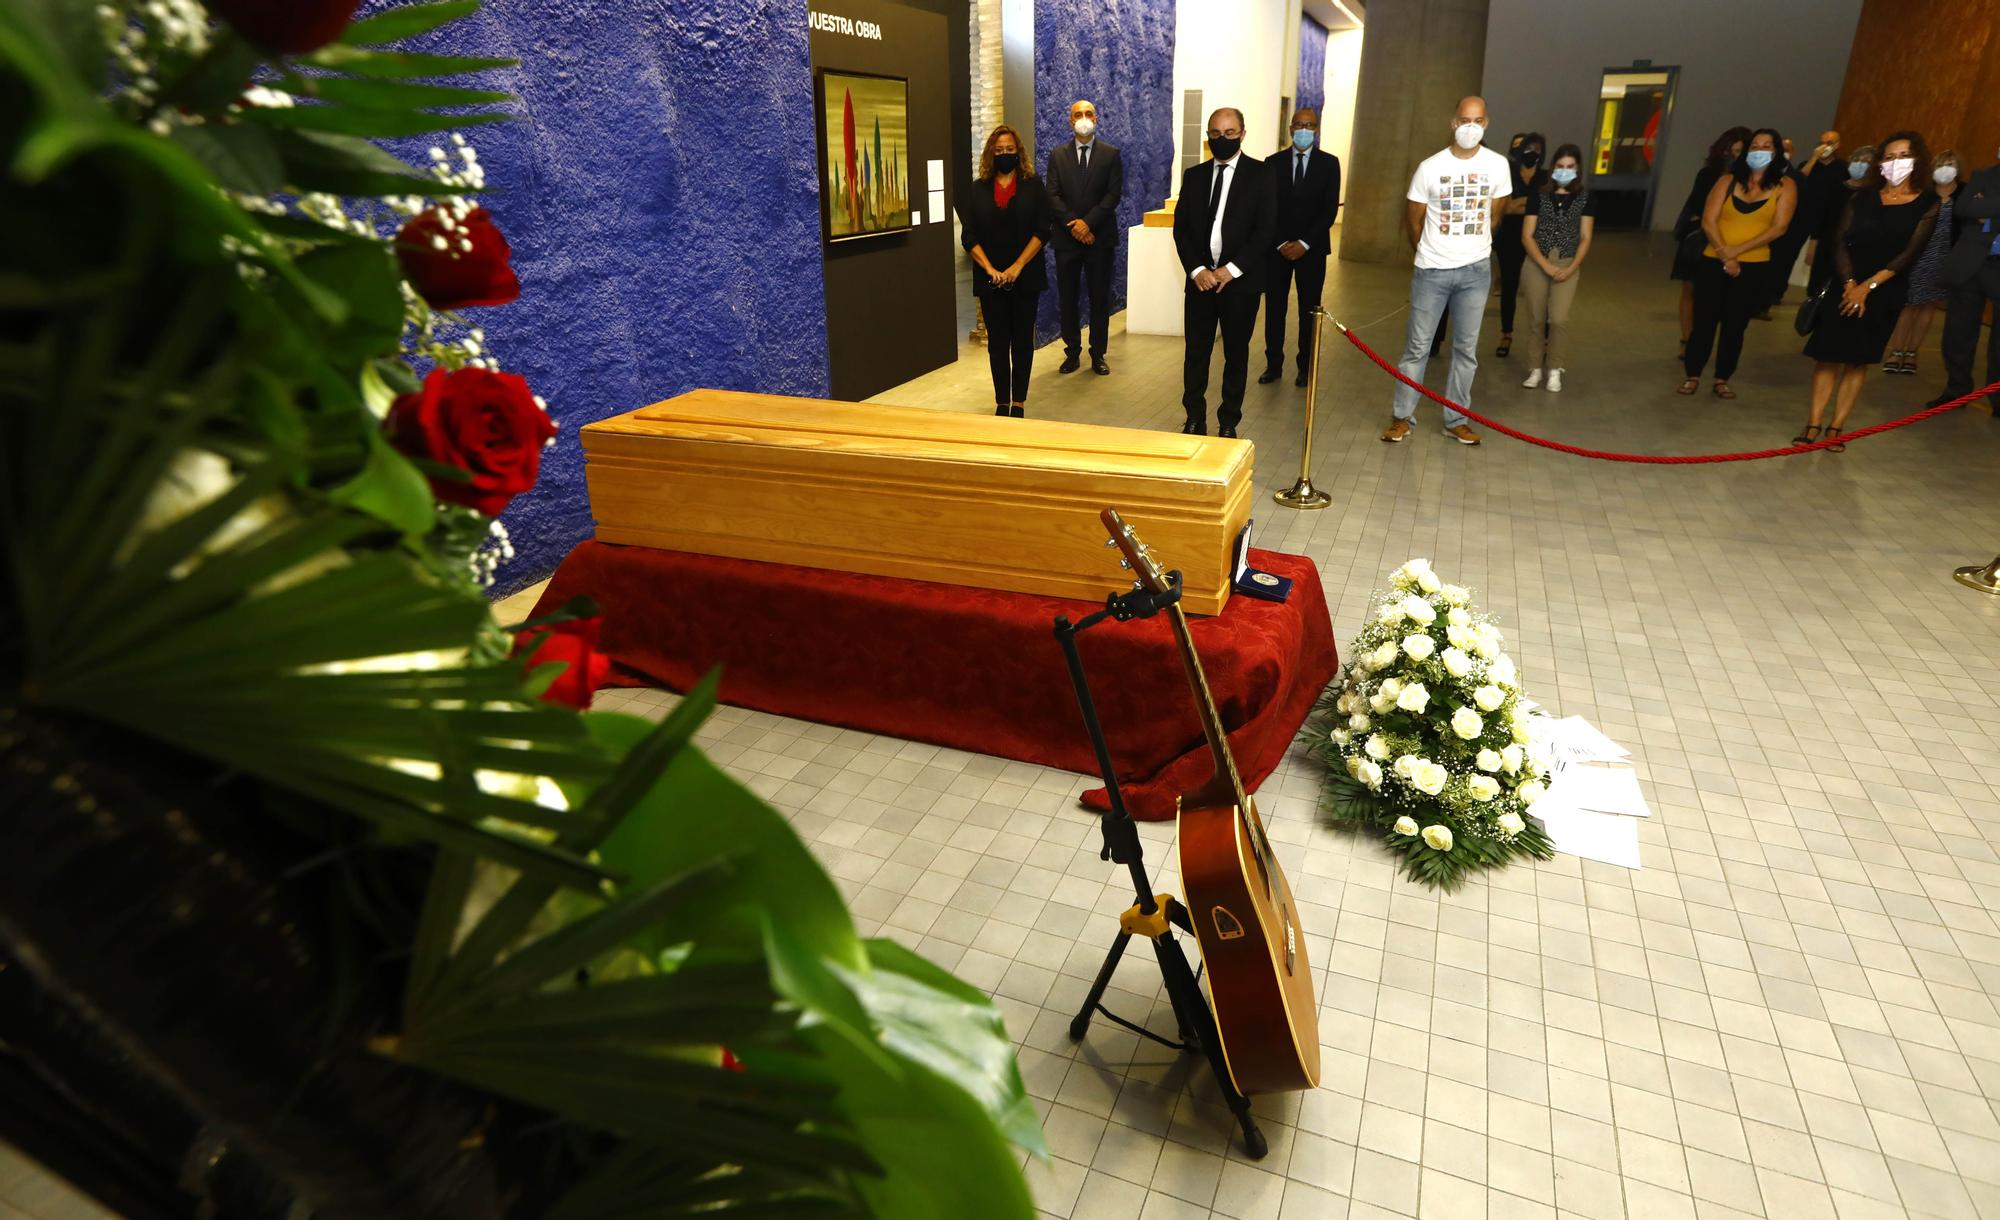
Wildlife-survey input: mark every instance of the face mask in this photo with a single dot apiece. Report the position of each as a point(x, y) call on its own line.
point(1530, 157)
point(1302, 139)
point(1086, 127)
point(1469, 135)
point(1757, 158)
point(1563, 176)
point(1945, 175)
point(1005, 163)
point(1222, 148)
point(1896, 170)
point(1856, 169)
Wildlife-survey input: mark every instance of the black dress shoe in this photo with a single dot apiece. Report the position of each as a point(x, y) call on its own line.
point(1194, 428)
point(1300, 380)
point(1269, 375)
point(1947, 396)
point(1071, 363)
point(1098, 366)
point(1227, 433)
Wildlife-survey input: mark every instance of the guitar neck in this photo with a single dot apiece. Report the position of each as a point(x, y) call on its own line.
point(1211, 718)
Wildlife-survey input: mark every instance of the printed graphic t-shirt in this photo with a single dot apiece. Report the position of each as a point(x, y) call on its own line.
point(1458, 195)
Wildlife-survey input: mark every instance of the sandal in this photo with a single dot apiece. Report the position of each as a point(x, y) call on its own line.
point(1506, 345)
point(1721, 390)
point(1809, 434)
point(1836, 446)
point(1689, 386)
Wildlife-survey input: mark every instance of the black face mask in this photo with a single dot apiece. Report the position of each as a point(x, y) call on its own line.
point(1222, 147)
point(1005, 163)
point(1529, 157)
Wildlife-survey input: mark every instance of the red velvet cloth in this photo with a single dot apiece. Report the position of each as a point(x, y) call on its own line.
point(972, 669)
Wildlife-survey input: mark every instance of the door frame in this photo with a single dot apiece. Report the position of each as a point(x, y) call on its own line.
point(1660, 138)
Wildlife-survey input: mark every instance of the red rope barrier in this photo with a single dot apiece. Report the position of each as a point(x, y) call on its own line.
point(1658, 459)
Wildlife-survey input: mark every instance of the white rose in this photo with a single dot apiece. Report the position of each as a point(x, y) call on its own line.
point(1413, 571)
point(1489, 698)
point(1457, 595)
point(1460, 636)
point(1376, 746)
point(1354, 765)
point(1406, 825)
point(1486, 640)
point(1341, 737)
point(1504, 673)
point(1438, 837)
point(1430, 778)
point(1456, 663)
point(1390, 614)
point(1510, 824)
point(1483, 787)
point(1428, 581)
point(1345, 703)
point(1488, 760)
point(1521, 733)
point(1420, 647)
point(1371, 774)
point(1360, 722)
point(1511, 758)
point(1405, 764)
point(1384, 655)
point(1459, 617)
point(1379, 703)
point(1391, 687)
point(1419, 611)
point(1466, 723)
point(1530, 792)
point(1414, 698)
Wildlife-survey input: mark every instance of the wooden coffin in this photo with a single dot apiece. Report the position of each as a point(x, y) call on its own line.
point(974, 500)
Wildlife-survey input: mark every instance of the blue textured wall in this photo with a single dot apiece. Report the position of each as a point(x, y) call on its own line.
point(1312, 64)
point(660, 195)
point(1120, 55)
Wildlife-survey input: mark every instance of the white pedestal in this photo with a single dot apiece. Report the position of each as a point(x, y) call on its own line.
point(1153, 289)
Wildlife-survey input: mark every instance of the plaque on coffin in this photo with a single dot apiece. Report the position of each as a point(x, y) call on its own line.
point(977, 500)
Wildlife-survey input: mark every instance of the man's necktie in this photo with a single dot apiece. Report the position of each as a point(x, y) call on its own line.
point(1298, 169)
point(1084, 157)
point(1215, 195)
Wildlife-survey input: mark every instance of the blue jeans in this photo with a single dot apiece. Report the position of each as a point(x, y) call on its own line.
point(1463, 291)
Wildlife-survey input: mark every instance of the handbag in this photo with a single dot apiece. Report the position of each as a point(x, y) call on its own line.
point(1811, 311)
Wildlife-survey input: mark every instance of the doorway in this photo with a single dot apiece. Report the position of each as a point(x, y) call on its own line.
point(1635, 107)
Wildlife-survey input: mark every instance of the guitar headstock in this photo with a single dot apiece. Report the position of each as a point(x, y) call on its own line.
point(1146, 571)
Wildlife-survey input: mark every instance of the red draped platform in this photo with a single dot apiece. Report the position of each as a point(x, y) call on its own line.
point(972, 669)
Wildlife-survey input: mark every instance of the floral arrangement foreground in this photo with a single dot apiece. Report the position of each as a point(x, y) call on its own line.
point(1427, 736)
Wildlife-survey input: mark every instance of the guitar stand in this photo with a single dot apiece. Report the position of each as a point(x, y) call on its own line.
point(1153, 916)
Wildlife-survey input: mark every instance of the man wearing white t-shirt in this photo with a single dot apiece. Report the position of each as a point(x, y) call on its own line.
point(1454, 206)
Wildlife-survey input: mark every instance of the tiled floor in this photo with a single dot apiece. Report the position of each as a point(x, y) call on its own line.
point(1789, 1013)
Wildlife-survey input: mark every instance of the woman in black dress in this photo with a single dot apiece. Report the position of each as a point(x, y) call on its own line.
point(1005, 222)
point(1526, 157)
point(1884, 229)
point(1687, 253)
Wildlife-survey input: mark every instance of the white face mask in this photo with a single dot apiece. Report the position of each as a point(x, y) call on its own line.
point(1897, 169)
point(1086, 127)
point(1469, 135)
point(1945, 175)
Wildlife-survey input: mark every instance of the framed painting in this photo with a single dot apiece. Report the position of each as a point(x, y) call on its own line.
point(864, 139)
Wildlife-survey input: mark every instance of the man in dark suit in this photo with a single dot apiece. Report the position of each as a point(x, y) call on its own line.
point(1086, 179)
point(1306, 181)
point(1224, 224)
point(1971, 280)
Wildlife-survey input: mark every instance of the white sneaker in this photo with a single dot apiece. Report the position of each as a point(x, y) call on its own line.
point(1555, 381)
point(1534, 379)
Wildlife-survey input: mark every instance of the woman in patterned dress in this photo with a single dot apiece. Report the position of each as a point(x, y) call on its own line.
point(1926, 284)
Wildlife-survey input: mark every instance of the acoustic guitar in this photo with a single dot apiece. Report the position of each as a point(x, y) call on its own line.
point(1244, 917)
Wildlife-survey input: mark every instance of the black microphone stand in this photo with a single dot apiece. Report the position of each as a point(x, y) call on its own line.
point(1153, 916)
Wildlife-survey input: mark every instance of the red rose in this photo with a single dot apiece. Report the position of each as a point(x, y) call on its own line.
point(484, 423)
point(455, 277)
point(575, 642)
point(731, 1063)
point(288, 27)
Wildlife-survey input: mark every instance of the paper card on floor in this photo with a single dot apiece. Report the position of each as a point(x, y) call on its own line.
point(1604, 789)
point(1575, 738)
point(1589, 835)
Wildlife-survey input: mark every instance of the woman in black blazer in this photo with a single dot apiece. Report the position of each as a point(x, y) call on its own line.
point(1005, 224)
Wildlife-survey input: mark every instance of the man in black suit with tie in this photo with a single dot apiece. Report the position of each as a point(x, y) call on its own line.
point(1307, 183)
point(1086, 179)
point(1971, 278)
point(1223, 226)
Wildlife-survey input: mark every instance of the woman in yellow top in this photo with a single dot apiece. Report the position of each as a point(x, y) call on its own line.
point(1747, 210)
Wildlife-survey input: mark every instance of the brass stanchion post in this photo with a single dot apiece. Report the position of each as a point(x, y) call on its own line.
point(1303, 494)
point(1986, 579)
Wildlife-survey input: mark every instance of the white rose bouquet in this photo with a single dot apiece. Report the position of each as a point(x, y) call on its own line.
point(1422, 732)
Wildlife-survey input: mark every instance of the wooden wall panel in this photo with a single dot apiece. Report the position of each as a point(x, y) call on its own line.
point(1931, 66)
